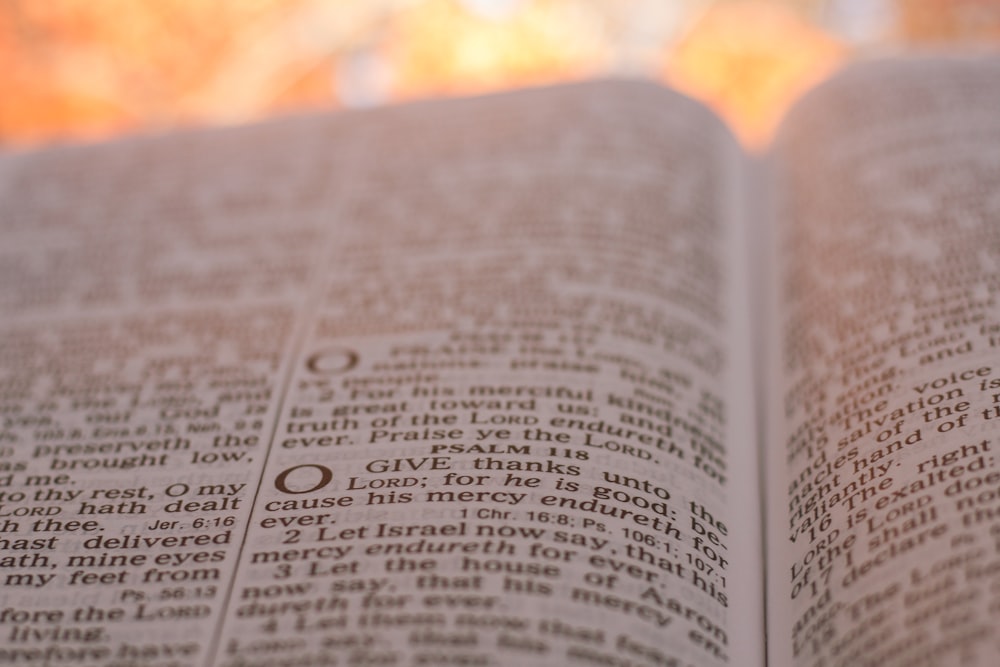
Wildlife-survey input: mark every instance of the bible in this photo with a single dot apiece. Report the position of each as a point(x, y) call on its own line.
point(559, 376)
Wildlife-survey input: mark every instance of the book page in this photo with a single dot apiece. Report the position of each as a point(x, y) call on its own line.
point(459, 383)
point(883, 479)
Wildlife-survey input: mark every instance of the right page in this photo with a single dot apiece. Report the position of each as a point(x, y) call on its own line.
point(883, 478)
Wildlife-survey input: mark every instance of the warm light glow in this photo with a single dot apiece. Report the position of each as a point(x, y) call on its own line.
point(442, 47)
point(749, 61)
point(88, 68)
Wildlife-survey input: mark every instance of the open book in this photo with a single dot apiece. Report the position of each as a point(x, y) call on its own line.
point(478, 382)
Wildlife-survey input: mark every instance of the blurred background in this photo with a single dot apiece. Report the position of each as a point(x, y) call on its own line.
point(88, 69)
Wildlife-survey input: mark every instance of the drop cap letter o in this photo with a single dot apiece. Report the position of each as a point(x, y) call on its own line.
point(325, 475)
point(331, 362)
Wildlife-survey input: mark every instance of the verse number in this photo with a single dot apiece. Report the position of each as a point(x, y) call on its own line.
point(549, 517)
point(214, 522)
point(180, 593)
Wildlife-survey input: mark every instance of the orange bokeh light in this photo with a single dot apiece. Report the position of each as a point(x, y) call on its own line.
point(439, 47)
point(750, 61)
point(86, 68)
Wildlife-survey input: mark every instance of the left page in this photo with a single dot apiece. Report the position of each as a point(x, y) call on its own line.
point(459, 383)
